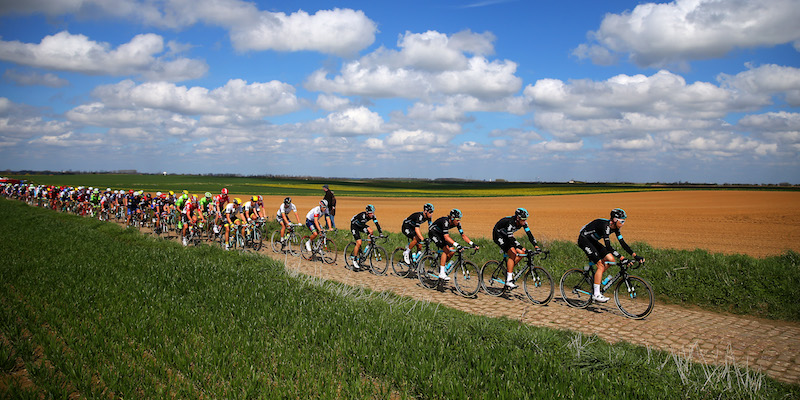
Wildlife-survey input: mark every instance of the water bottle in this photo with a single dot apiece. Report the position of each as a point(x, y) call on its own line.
point(606, 280)
point(417, 255)
point(449, 264)
point(366, 249)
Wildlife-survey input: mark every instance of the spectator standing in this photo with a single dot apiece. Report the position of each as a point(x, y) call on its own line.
point(329, 196)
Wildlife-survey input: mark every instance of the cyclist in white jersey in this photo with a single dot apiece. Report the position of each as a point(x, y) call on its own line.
point(312, 221)
point(283, 215)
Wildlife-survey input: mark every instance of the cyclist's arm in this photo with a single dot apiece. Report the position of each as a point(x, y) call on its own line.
point(530, 236)
point(624, 244)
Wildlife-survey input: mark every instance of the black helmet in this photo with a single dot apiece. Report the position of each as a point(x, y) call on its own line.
point(428, 207)
point(370, 208)
point(521, 213)
point(618, 213)
point(455, 214)
point(287, 201)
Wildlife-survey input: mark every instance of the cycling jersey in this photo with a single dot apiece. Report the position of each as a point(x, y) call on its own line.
point(441, 227)
point(316, 212)
point(204, 203)
point(359, 221)
point(283, 209)
point(503, 233)
point(590, 236)
point(412, 222)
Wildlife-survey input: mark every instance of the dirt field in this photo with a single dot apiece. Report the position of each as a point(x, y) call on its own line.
point(757, 223)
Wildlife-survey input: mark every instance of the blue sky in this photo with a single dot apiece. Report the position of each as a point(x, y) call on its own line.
point(690, 90)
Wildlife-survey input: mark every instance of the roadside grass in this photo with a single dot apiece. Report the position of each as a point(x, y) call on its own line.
point(90, 309)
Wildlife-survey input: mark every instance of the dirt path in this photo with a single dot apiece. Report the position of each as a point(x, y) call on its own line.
point(772, 347)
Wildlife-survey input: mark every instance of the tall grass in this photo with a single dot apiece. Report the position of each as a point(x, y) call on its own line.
point(90, 309)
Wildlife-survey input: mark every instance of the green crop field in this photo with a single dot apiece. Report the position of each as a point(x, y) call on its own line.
point(369, 188)
point(89, 309)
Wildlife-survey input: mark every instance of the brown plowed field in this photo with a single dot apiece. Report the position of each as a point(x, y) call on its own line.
point(758, 223)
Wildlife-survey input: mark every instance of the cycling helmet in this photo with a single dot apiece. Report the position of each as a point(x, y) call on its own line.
point(455, 214)
point(224, 191)
point(237, 201)
point(171, 193)
point(618, 213)
point(323, 203)
point(208, 194)
point(370, 208)
point(158, 194)
point(287, 201)
point(255, 198)
point(186, 192)
point(149, 196)
point(428, 207)
point(130, 191)
point(521, 213)
point(260, 198)
point(194, 198)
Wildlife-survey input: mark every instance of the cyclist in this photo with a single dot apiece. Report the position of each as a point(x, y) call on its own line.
point(231, 218)
point(205, 204)
point(503, 236)
point(189, 215)
point(589, 241)
point(410, 228)
point(132, 204)
point(358, 224)
point(254, 208)
point(312, 221)
point(439, 234)
point(283, 215)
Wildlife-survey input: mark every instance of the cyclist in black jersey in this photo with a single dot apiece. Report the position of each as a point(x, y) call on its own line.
point(358, 224)
point(503, 236)
point(589, 242)
point(410, 228)
point(439, 233)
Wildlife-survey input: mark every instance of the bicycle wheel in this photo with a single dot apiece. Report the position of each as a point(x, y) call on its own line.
point(399, 266)
point(275, 240)
point(538, 285)
point(467, 279)
point(292, 245)
point(576, 288)
point(307, 255)
point(493, 278)
point(378, 260)
point(328, 252)
point(428, 272)
point(347, 255)
point(634, 297)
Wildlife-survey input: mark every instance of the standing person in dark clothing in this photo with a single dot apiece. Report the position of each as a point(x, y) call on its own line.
point(331, 204)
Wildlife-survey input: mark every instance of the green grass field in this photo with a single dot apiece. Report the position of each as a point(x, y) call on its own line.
point(370, 188)
point(90, 309)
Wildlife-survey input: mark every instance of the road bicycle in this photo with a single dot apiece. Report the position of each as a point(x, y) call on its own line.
point(371, 256)
point(193, 234)
point(536, 281)
point(253, 234)
point(290, 244)
point(322, 248)
point(467, 278)
point(404, 269)
point(632, 294)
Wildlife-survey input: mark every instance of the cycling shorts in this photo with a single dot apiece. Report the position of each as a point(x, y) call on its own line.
point(506, 243)
point(357, 230)
point(593, 249)
point(409, 230)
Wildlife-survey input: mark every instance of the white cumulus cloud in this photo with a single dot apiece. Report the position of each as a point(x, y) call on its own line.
point(659, 34)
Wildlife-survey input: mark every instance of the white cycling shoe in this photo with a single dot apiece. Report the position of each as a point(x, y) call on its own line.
point(600, 298)
point(511, 285)
point(406, 256)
